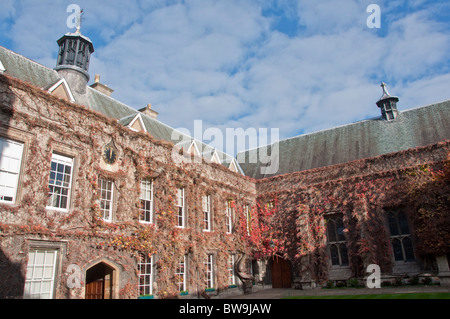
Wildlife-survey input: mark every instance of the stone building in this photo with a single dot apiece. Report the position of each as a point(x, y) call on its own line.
point(100, 200)
point(352, 181)
point(95, 200)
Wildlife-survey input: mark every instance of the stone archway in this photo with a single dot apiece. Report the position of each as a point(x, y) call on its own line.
point(102, 280)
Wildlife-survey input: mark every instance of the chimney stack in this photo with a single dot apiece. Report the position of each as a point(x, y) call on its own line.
point(101, 87)
point(148, 111)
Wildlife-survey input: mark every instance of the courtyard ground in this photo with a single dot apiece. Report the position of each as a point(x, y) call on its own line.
point(402, 292)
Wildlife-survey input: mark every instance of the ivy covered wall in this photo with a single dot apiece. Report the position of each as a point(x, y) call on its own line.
point(415, 181)
point(46, 125)
point(286, 214)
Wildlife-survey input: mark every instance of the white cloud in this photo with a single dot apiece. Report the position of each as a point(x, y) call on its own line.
point(414, 47)
point(229, 63)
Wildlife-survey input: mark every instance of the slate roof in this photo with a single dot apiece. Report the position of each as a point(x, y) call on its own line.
point(412, 128)
point(41, 76)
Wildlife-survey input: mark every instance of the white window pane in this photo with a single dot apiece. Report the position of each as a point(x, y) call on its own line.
point(40, 256)
point(29, 272)
point(35, 288)
point(49, 257)
point(10, 157)
point(145, 190)
point(179, 197)
point(48, 273)
point(38, 272)
point(46, 287)
point(60, 181)
point(205, 203)
point(40, 277)
point(8, 179)
point(31, 256)
point(14, 165)
point(27, 290)
point(8, 184)
point(4, 164)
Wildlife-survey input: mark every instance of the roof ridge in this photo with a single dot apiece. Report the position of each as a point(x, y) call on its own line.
point(341, 126)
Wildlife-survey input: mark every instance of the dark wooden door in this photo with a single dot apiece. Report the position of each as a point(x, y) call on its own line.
point(94, 290)
point(281, 273)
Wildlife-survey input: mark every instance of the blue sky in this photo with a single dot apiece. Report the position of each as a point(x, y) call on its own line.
point(300, 66)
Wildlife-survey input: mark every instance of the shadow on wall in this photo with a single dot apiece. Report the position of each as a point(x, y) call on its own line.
point(12, 280)
point(7, 99)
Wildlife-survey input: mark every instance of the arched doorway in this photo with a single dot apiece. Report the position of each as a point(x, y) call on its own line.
point(100, 281)
point(281, 273)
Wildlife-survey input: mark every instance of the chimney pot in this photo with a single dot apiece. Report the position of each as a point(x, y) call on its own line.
point(101, 87)
point(148, 111)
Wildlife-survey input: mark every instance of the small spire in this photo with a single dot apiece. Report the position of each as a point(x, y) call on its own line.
point(385, 91)
point(79, 21)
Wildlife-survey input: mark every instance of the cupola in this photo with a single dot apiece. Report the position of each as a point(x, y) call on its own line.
point(74, 55)
point(388, 105)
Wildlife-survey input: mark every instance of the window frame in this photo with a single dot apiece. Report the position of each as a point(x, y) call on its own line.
point(30, 280)
point(206, 210)
point(230, 269)
point(180, 272)
point(229, 217)
point(209, 265)
point(400, 235)
point(181, 209)
point(64, 160)
point(111, 200)
point(17, 174)
point(248, 218)
point(146, 262)
point(338, 242)
point(142, 209)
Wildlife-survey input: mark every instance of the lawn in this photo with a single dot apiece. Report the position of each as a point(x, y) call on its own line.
point(380, 296)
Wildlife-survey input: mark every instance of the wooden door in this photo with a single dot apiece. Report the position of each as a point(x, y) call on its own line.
point(94, 290)
point(281, 273)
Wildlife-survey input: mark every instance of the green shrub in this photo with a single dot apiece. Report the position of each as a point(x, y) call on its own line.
point(353, 282)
